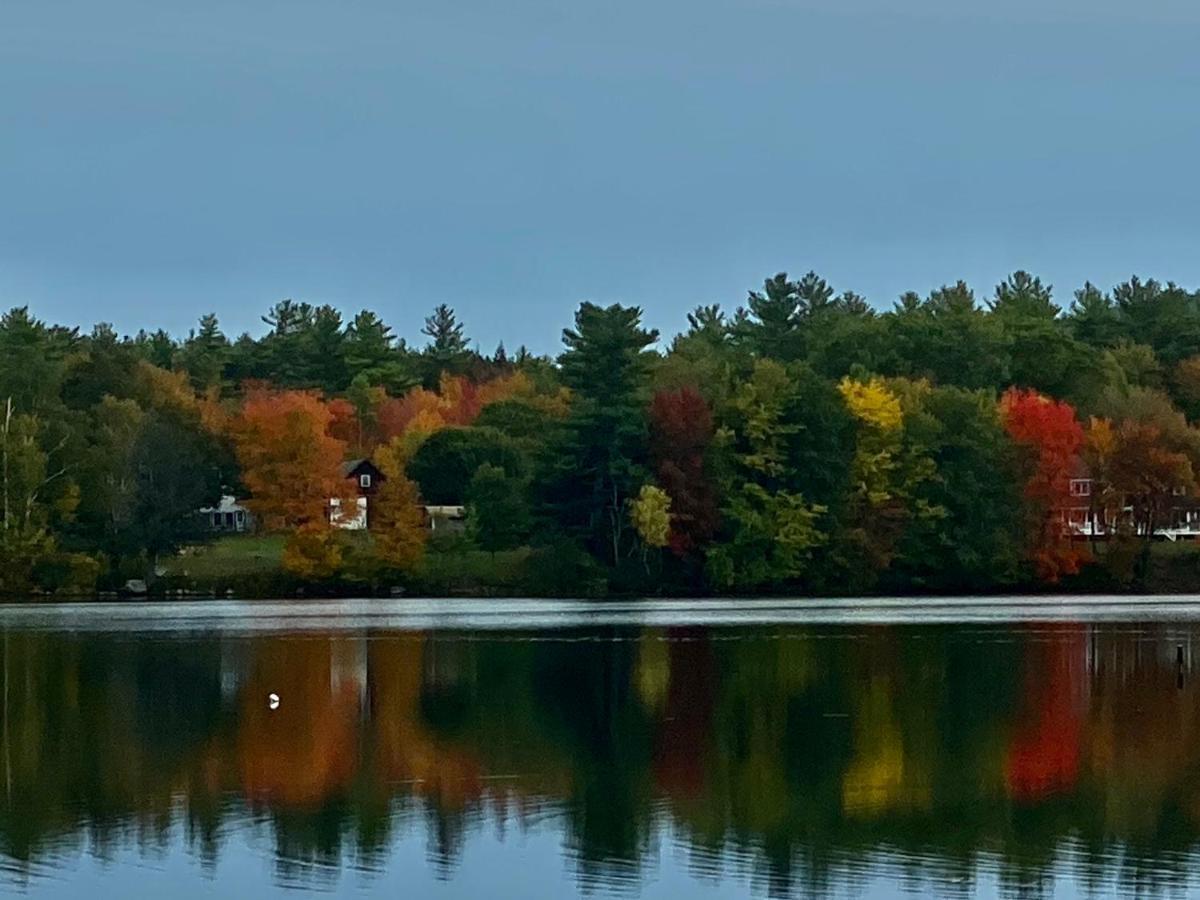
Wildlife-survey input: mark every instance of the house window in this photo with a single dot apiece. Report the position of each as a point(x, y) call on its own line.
point(364, 481)
point(1081, 487)
point(228, 520)
point(216, 520)
point(241, 518)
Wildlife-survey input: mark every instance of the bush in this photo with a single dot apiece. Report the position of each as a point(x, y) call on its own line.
point(71, 574)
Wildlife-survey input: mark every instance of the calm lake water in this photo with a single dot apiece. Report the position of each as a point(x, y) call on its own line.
point(669, 750)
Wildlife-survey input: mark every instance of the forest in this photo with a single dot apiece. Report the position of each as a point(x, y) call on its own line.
point(802, 442)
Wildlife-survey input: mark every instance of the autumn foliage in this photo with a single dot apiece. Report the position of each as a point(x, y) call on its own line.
point(400, 533)
point(457, 401)
point(681, 432)
point(1052, 438)
point(290, 463)
point(1043, 757)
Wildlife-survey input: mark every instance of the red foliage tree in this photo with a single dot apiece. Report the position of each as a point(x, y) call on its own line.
point(681, 432)
point(1052, 438)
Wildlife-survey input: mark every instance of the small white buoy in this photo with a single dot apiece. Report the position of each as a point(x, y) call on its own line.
point(273, 701)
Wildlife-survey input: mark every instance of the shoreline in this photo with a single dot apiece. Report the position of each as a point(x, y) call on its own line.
point(535, 614)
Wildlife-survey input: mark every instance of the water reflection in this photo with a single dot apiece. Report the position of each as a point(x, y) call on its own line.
point(798, 761)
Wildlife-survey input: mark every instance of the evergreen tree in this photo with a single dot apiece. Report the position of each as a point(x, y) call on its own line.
point(324, 348)
point(1023, 296)
point(602, 461)
point(157, 348)
point(283, 350)
point(1094, 319)
point(205, 353)
point(447, 348)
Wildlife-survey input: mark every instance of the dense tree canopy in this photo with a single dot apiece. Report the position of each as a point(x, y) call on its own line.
point(805, 441)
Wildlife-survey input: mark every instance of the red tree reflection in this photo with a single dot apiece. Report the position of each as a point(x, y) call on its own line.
point(1044, 752)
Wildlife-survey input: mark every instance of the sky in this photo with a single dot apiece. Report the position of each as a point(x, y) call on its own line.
point(162, 159)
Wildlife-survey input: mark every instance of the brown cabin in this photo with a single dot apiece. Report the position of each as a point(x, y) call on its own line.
point(366, 478)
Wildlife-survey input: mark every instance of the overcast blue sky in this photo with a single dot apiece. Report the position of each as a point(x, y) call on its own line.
point(160, 159)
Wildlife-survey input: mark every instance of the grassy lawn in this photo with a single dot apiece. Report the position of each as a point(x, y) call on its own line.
point(243, 554)
point(461, 569)
point(447, 568)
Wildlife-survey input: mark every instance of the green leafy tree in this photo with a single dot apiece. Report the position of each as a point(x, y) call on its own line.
point(498, 511)
point(789, 443)
point(521, 420)
point(445, 462)
point(176, 469)
point(977, 538)
point(27, 473)
point(772, 539)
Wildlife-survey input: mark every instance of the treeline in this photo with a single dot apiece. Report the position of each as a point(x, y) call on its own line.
point(802, 442)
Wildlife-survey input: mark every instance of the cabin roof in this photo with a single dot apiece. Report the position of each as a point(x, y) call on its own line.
point(352, 467)
point(228, 504)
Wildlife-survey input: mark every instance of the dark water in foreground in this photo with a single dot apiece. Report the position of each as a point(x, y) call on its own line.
point(989, 759)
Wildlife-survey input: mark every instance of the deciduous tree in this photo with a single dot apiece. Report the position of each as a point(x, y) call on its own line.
point(498, 513)
point(1052, 439)
point(289, 462)
point(681, 435)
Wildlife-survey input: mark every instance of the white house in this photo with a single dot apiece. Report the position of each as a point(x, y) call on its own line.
point(228, 516)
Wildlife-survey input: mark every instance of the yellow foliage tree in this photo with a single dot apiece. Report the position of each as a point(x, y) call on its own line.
point(888, 468)
point(650, 512)
point(313, 552)
point(881, 419)
point(399, 533)
point(872, 402)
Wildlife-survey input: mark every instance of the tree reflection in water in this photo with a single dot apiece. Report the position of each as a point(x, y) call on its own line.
point(795, 759)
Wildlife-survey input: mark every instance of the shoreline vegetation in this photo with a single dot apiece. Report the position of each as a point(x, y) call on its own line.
point(803, 444)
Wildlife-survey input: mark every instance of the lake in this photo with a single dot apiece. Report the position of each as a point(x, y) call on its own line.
point(995, 747)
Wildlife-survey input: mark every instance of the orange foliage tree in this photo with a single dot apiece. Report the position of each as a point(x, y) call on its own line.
point(398, 414)
point(343, 422)
point(289, 461)
point(457, 401)
point(1052, 438)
